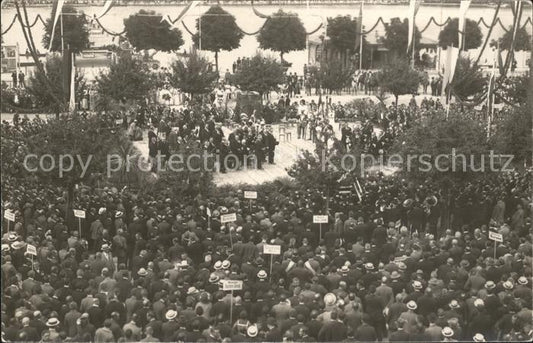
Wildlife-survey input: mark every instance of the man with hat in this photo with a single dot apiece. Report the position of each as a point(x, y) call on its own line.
point(410, 318)
point(448, 333)
point(52, 333)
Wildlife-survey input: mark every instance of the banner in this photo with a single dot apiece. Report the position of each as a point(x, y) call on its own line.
point(449, 67)
point(72, 101)
point(359, 27)
point(462, 15)
point(107, 6)
point(58, 9)
point(413, 9)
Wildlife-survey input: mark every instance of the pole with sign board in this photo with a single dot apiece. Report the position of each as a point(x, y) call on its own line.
point(320, 219)
point(31, 250)
point(229, 218)
point(231, 285)
point(496, 237)
point(208, 212)
point(79, 214)
point(269, 249)
point(250, 195)
point(10, 217)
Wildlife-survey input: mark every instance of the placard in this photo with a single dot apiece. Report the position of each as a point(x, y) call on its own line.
point(320, 219)
point(79, 213)
point(250, 195)
point(272, 249)
point(9, 215)
point(31, 249)
point(231, 285)
point(228, 218)
point(498, 237)
point(208, 212)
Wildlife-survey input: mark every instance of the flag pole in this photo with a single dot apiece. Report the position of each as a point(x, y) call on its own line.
point(361, 36)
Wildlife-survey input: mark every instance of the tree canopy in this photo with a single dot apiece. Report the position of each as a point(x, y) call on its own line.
point(146, 30)
point(127, 80)
point(261, 74)
point(449, 36)
point(75, 31)
point(513, 134)
point(219, 31)
point(342, 31)
point(396, 36)
point(468, 79)
point(397, 77)
point(193, 75)
point(522, 40)
point(39, 88)
point(282, 32)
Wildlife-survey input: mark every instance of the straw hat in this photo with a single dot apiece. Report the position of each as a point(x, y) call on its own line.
point(171, 314)
point(52, 322)
point(330, 299)
point(479, 338)
point(447, 331)
point(262, 274)
point(252, 331)
point(412, 305)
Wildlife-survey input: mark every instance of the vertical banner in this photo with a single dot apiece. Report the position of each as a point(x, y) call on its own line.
point(58, 9)
point(72, 101)
point(359, 36)
point(107, 6)
point(174, 23)
point(449, 67)
point(413, 9)
point(462, 19)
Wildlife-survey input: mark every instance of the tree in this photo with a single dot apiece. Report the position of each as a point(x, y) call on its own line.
point(513, 135)
point(282, 32)
point(219, 31)
point(468, 79)
point(522, 40)
point(397, 77)
point(342, 31)
point(335, 76)
point(146, 30)
point(127, 80)
point(449, 35)
point(75, 31)
point(514, 90)
point(260, 74)
point(66, 150)
point(38, 87)
point(396, 36)
point(194, 75)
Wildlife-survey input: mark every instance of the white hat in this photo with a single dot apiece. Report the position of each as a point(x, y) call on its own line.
point(101, 210)
point(142, 272)
point(412, 305)
point(417, 284)
point(118, 214)
point(508, 285)
point(226, 264)
point(479, 302)
point(479, 338)
point(105, 246)
point(490, 285)
point(252, 331)
point(192, 290)
point(262, 274)
point(171, 314)
point(447, 331)
point(454, 304)
point(52, 322)
point(330, 299)
point(218, 265)
point(522, 280)
point(344, 269)
point(5, 247)
point(369, 266)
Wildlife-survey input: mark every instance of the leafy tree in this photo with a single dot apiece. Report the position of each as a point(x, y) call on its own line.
point(38, 87)
point(436, 137)
point(194, 75)
point(219, 31)
point(82, 138)
point(468, 79)
point(282, 32)
point(261, 74)
point(342, 31)
point(146, 30)
point(397, 77)
point(75, 31)
point(397, 34)
point(127, 80)
point(335, 76)
point(513, 134)
point(449, 36)
point(522, 40)
point(514, 90)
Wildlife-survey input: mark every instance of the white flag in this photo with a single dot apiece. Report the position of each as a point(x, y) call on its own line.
point(186, 9)
point(452, 54)
point(462, 16)
point(59, 9)
point(72, 102)
point(413, 9)
point(105, 9)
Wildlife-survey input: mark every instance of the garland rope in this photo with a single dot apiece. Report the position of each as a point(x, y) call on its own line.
point(35, 22)
point(315, 30)
point(107, 31)
point(10, 25)
point(380, 19)
point(187, 29)
point(494, 19)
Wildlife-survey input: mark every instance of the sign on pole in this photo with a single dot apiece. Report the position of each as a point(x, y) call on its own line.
point(79, 214)
point(208, 212)
point(228, 218)
point(9, 215)
point(31, 250)
point(231, 285)
point(272, 249)
point(250, 195)
point(320, 219)
point(497, 237)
